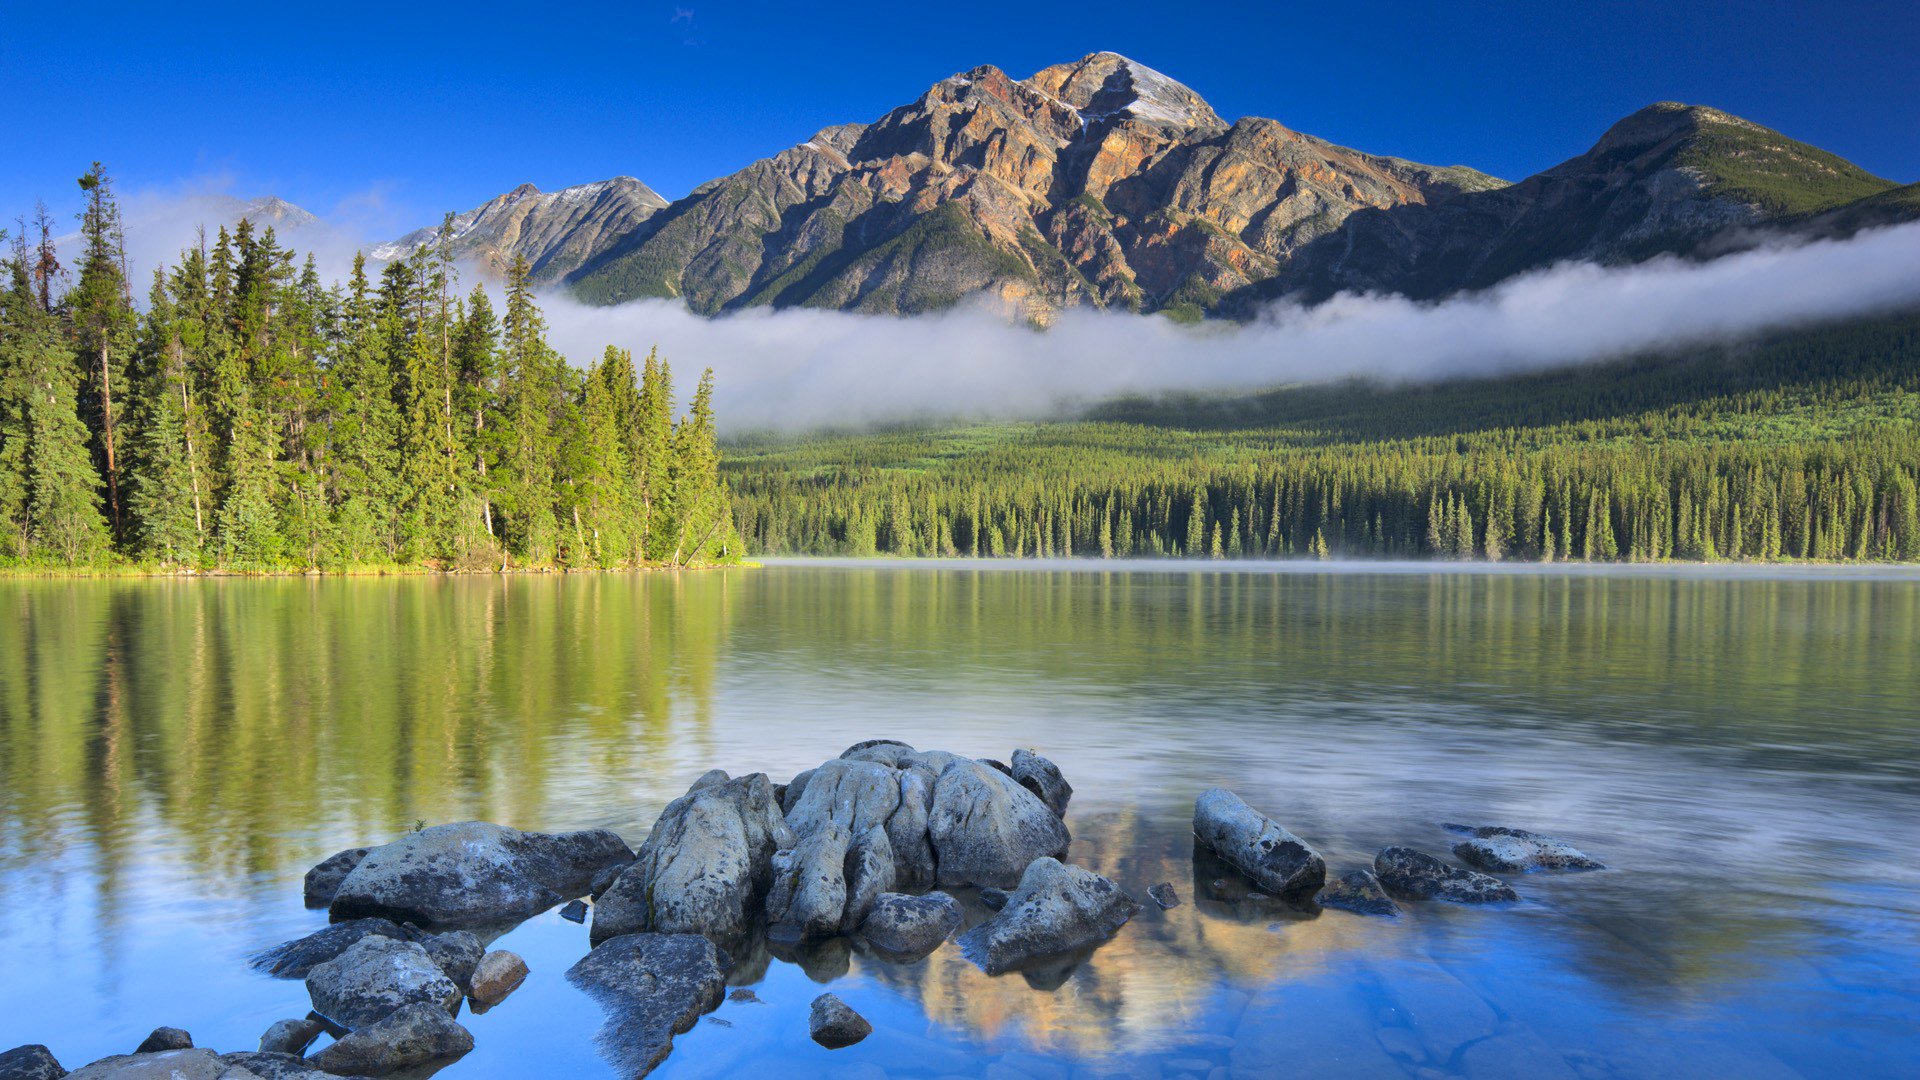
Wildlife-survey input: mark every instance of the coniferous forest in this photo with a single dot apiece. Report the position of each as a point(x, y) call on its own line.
point(250, 417)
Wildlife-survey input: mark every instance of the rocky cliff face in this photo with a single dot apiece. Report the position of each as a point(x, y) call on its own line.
point(557, 232)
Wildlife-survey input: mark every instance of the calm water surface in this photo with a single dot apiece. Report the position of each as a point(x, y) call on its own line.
point(1740, 748)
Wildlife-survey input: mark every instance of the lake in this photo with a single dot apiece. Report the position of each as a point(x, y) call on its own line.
point(1740, 747)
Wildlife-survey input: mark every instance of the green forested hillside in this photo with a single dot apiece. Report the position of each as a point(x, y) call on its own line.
point(252, 418)
point(1806, 446)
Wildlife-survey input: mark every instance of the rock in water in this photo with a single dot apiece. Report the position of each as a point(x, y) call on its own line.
point(190, 1064)
point(294, 959)
point(474, 875)
point(1515, 851)
point(833, 1025)
point(986, 829)
point(30, 1062)
point(908, 928)
point(704, 867)
point(165, 1038)
point(575, 911)
point(1056, 909)
point(993, 899)
point(1419, 876)
point(652, 987)
point(1270, 856)
point(1358, 892)
point(376, 977)
point(809, 894)
point(1044, 779)
point(291, 1036)
point(1164, 895)
point(499, 973)
point(455, 953)
point(248, 1064)
point(325, 877)
point(411, 1037)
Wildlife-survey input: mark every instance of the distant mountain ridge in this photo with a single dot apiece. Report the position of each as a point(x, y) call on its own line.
point(1107, 184)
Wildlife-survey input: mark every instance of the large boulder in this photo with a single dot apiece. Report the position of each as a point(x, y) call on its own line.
point(30, 1062)
point(375, 977)
point(268, 1065)
point(294, 959)
point(165, 1038)
point(474, 875)
point(704, 867)
point(291, 1036)
point(413, 1037)
point(833, 1024)
point(908, 928)
point(986, 829)
point(1044, 779)
point(1502, 850)
point(1416, 875)
point(1358, 892)
point(1057, 909)
point(455, 953)
point(1252, 843)
point(651, 987)
point(189, 1064)
point(324, 879)
point(889, 791)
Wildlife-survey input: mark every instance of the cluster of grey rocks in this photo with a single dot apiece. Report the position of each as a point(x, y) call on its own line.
point(871, 850)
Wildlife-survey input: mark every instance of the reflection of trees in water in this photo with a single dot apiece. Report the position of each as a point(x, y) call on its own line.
point(241, 726)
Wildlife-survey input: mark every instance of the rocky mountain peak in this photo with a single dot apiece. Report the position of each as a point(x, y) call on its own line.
point(1107, 85)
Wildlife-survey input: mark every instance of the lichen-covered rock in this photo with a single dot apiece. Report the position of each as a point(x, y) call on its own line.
point(324, 879)
point(986, 829)
point(704, 867)
point(269, 1065)
point(474, 875)
point(993, 899)
point(1164, 895)
point(808, 898)
point(189, 1064)
point(375, 977)
point(291, 1036)
point(30, 1062)
point(165, 1038)
point(883, 791)
point(1252, 843)
point(1358, 892)
point(411, 1037)
point(1516, 851)
point(498, 974)
point(834, 1025)
point(1416, 875)
point(294, 959)
point(1044, 779)
point(907, 928)
point(651, 987)
point(455, 953)
point(1057, 908)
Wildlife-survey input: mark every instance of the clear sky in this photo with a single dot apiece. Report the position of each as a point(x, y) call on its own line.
point(388, 114)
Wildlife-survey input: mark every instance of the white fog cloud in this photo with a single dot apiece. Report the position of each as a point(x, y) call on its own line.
point(800, 368)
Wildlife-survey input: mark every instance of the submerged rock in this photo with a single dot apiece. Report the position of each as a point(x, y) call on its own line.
point(411, 1037)
point(1056, 909)
point(498, 974)
point(908, 928)
point(745, 996)
point(1253, 844)
point(651, 987)
point(833, 1025)
point(1358, 892)
point(165, 1038)
point(294, 959)
point(704, 867)
point(455, 953)
point(30, 1062)
point(378, 976)
point(1417, 875)
point(474, 875)
point(1515, 851)
point(1164, 895)
point(291, 1036)
point(323, 881)
point(1044, 779)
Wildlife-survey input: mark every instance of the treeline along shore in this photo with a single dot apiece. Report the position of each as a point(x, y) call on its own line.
point(253, 418)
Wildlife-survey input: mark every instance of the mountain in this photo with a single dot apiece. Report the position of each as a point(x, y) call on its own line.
point(1107, 184)
point(556, 232)
point(1099, 182)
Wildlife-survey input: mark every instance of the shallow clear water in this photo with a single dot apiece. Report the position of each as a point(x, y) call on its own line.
point(1740, 748)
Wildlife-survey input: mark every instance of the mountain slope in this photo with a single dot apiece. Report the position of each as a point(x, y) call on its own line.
point(556, 231)
point(1100, 182)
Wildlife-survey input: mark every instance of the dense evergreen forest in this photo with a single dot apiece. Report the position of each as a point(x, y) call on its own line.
point(252, 418)
point(1803, 447)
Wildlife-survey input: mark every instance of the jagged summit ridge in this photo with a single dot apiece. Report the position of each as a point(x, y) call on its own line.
point(555, 231)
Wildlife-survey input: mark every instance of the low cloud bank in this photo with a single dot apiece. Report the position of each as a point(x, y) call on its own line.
point(799, 369)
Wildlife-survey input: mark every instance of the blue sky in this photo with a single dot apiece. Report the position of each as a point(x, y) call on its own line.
point(385, 115)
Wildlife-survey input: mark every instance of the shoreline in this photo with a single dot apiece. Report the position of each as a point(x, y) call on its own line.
point(110, 572)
